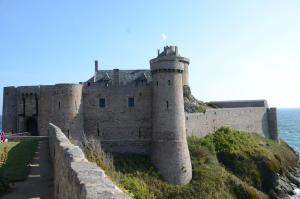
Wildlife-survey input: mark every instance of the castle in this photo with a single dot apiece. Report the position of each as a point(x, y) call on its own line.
point(135, 111)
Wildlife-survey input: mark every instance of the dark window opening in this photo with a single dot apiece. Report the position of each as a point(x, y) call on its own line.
point(88, 83)
point(157, 83)
point(169, 82)
point(167, 104)
point(130, 102)
point(68, 133)
point(98, 132)
point(102, 103)
point(58, 105)
point(187, 118)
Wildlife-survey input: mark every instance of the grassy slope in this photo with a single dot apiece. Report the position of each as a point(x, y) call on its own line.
point(19, 155)
point(226, 164)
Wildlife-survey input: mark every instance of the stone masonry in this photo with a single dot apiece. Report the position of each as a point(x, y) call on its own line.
point(74, 176)
point(134, 111)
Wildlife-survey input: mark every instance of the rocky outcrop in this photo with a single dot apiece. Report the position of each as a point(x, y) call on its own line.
point(285, 185)
point(191, 104)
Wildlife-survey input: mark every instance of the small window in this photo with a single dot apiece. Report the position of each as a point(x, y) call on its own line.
point(106, 84)
point(157, 83)
point(102, 103)
point(169, 82)
point(167, 103)
point(130, 102)
point(98, 132)
point(58, 105)
point(88, 83)
point(68, 133)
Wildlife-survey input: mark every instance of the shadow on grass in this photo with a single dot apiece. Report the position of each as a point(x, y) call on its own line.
point(16, 167)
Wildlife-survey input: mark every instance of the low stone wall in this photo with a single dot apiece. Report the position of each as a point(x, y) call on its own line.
point(12, 138)
point(74, 176)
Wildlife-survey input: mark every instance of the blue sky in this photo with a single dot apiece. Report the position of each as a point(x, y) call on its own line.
point(238, 49)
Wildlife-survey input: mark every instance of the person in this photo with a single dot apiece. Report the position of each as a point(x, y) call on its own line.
point(2, 137)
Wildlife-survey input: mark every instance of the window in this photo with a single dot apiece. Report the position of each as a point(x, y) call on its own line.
point(130, 102)
point(98, 132)
point(169, 82)
point(102, 103)
point(157, 84)
point(167, 102)
point(58, 105)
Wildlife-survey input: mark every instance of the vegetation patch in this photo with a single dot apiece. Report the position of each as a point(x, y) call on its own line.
point(18, 156)
point(226, 164)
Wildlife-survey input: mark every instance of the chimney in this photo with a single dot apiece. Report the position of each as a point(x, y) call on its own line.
point(158, 52)
point(96, 65)
point(116, 80)
point(176, 50)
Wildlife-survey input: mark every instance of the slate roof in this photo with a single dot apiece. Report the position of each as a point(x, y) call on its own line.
point(125, 76)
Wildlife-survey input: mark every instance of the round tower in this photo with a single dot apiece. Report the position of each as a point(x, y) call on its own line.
point(169, 150)
point(67, 109)
point(185, 74)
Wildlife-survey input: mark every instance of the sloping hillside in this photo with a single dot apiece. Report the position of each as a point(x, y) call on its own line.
point(226, 164)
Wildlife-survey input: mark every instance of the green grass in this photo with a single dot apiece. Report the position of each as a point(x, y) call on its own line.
point(226, 164)
point(19, 156)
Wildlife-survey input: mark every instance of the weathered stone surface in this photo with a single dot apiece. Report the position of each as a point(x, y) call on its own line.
point(74, 176)
point(285, 185)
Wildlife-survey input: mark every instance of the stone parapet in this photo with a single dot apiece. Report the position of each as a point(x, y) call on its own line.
point(74, 176)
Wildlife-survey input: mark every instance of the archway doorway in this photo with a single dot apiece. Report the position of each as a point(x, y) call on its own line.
point(31, 126)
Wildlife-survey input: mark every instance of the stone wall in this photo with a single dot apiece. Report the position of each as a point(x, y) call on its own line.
point(120, 128)
point(251, 119)
point(67, 109)
point(239, 103)
point(74, 176)
point(9, 115)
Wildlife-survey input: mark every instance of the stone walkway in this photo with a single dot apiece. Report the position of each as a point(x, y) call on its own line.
point(39, 183)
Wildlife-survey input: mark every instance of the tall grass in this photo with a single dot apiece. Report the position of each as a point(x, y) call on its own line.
point(94, 153)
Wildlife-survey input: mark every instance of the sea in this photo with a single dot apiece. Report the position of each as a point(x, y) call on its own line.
point(289, 126)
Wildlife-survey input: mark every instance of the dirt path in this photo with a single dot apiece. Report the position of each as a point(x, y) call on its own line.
point(39, 183)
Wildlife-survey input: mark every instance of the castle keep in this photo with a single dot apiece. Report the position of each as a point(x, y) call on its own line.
point(135, 111)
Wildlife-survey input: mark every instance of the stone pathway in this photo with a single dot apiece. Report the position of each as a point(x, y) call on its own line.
point(39, 183)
